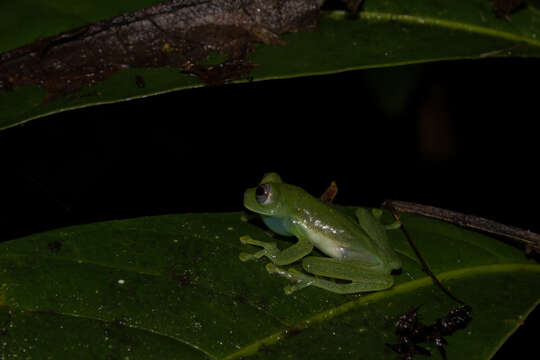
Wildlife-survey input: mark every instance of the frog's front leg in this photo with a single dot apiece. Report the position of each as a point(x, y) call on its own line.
point(362, 278)
point(302, 248)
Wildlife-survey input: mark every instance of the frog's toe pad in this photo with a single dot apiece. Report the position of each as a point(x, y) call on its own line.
point(245, 239)
point(245, 257)
point(271, 268)
point(289, 289)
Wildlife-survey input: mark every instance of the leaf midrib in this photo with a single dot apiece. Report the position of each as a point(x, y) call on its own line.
point(376, 296)
point(439, 22)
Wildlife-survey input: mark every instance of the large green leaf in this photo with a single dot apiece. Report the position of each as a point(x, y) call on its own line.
point(386, 33)
point(172, 287)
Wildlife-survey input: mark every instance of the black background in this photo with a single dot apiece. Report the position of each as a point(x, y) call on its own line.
point(458, 135)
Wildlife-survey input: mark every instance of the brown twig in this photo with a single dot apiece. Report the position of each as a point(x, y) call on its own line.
point(531, 240)
point(330, 193)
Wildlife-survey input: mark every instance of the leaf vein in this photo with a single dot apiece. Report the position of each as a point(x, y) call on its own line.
point(93, 318)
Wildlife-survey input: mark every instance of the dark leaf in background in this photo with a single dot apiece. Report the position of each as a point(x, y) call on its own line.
point(175, 33)
point(383, 34)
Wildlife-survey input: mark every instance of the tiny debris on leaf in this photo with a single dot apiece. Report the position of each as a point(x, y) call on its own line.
point(411, 331)
point(503, 8)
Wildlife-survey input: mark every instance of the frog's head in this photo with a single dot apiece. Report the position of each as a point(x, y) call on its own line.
point(267, 198)
point(271, 178)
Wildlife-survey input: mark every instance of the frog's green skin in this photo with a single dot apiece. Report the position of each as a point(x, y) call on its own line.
point(358, 251)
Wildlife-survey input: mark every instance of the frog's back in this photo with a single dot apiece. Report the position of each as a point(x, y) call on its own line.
point(329, 229)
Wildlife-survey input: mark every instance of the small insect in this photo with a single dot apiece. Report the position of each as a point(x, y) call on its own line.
point(411, 331)
point(139, 81)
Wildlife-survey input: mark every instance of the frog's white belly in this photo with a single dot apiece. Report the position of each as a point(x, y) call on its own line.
point(327, 245)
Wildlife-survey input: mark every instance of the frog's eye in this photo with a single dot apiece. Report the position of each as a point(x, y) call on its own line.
point(262, 194)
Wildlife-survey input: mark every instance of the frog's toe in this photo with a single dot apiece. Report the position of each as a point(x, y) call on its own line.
point(377, 212)
point(273, 269)
point(300, 284)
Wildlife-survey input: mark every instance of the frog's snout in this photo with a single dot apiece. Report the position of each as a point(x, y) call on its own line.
point(249, 200)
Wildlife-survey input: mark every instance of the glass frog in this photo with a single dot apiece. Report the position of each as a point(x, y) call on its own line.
point(357, 251)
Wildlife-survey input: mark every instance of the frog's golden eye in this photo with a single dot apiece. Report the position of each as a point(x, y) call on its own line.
point(262, 194)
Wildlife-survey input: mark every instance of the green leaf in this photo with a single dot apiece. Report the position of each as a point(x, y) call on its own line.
point(386, 33)
point(172, 287)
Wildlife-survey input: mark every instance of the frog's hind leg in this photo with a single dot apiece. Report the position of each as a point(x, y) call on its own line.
point(361, 278)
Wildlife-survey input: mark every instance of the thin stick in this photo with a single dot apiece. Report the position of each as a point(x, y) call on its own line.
point(329, 194)
point(532, 240)
point(424, 265)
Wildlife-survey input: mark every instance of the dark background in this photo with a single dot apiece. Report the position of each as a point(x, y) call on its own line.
point(458, 135)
